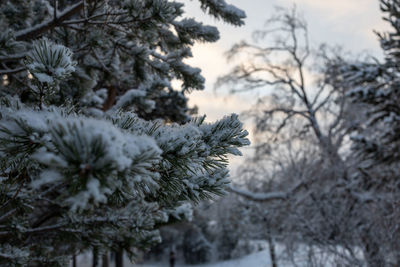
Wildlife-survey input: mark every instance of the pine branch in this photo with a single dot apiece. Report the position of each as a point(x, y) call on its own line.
point(12, 57)
point(12, 71)
point(37, 30)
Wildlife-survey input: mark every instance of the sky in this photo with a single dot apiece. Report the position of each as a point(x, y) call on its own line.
point(349, 23)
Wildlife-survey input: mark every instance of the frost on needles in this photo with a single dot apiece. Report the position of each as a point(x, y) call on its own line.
point(98, 148)
point(91, 169)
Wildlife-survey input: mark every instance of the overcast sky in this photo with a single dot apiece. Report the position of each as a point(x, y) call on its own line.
point(349, 23)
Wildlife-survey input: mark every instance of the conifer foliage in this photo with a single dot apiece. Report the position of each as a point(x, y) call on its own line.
point(86, 161)
point(375, 84)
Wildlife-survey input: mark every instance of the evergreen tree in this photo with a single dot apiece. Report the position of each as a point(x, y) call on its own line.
point(375, 84)
point(83, 162)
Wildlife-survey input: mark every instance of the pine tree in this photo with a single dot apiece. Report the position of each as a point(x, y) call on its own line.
point(374, 84)
point(85, 161)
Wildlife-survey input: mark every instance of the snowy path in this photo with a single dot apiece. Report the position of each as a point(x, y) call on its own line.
point(259, 259)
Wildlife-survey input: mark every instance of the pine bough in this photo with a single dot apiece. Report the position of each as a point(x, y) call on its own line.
point(84, 163)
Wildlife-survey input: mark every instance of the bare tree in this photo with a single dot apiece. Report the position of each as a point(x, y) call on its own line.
point(301, 82)
point(303, 119)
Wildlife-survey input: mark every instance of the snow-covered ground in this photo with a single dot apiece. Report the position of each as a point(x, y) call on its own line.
point(259, 259)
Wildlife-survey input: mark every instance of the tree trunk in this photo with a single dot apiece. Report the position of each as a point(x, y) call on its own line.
point(105, 262)
point(272, 253)
point(95, 261)
point(74, 261)
point(119, 258)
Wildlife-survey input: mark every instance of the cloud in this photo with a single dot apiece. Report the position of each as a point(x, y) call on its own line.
point(217, 105)
point(211, 60)
point(339, 7)
point(345, 22)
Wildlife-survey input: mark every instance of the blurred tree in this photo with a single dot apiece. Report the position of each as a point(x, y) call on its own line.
point(375, 146)
point(302, 130)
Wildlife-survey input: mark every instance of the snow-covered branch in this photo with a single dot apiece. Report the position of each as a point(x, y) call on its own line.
point(258, 196)
point(37, 30)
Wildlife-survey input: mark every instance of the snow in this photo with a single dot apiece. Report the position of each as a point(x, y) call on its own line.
point(49, 62)
point(135, 95)
point(232, 10)
point(228, 12)
point(257, 259)
point(94, 99)
point(126, 99)
point(42, 77)
point(197, 30)
point(82, 146)
point(47, 176)
point(184, 211)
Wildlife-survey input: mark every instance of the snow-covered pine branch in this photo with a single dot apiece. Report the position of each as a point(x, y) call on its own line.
point(86, 165)
point(49, 62)
point(98, 149)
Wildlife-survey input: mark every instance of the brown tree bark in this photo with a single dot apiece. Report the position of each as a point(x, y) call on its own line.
point(112, 93)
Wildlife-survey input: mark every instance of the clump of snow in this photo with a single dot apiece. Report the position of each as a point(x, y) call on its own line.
point(94, 99)
point(221, 9)
point(184, 211)
point(47, 176)
point(197, 30)
point(135, 96)
point(49, 62)
point(94, 191)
